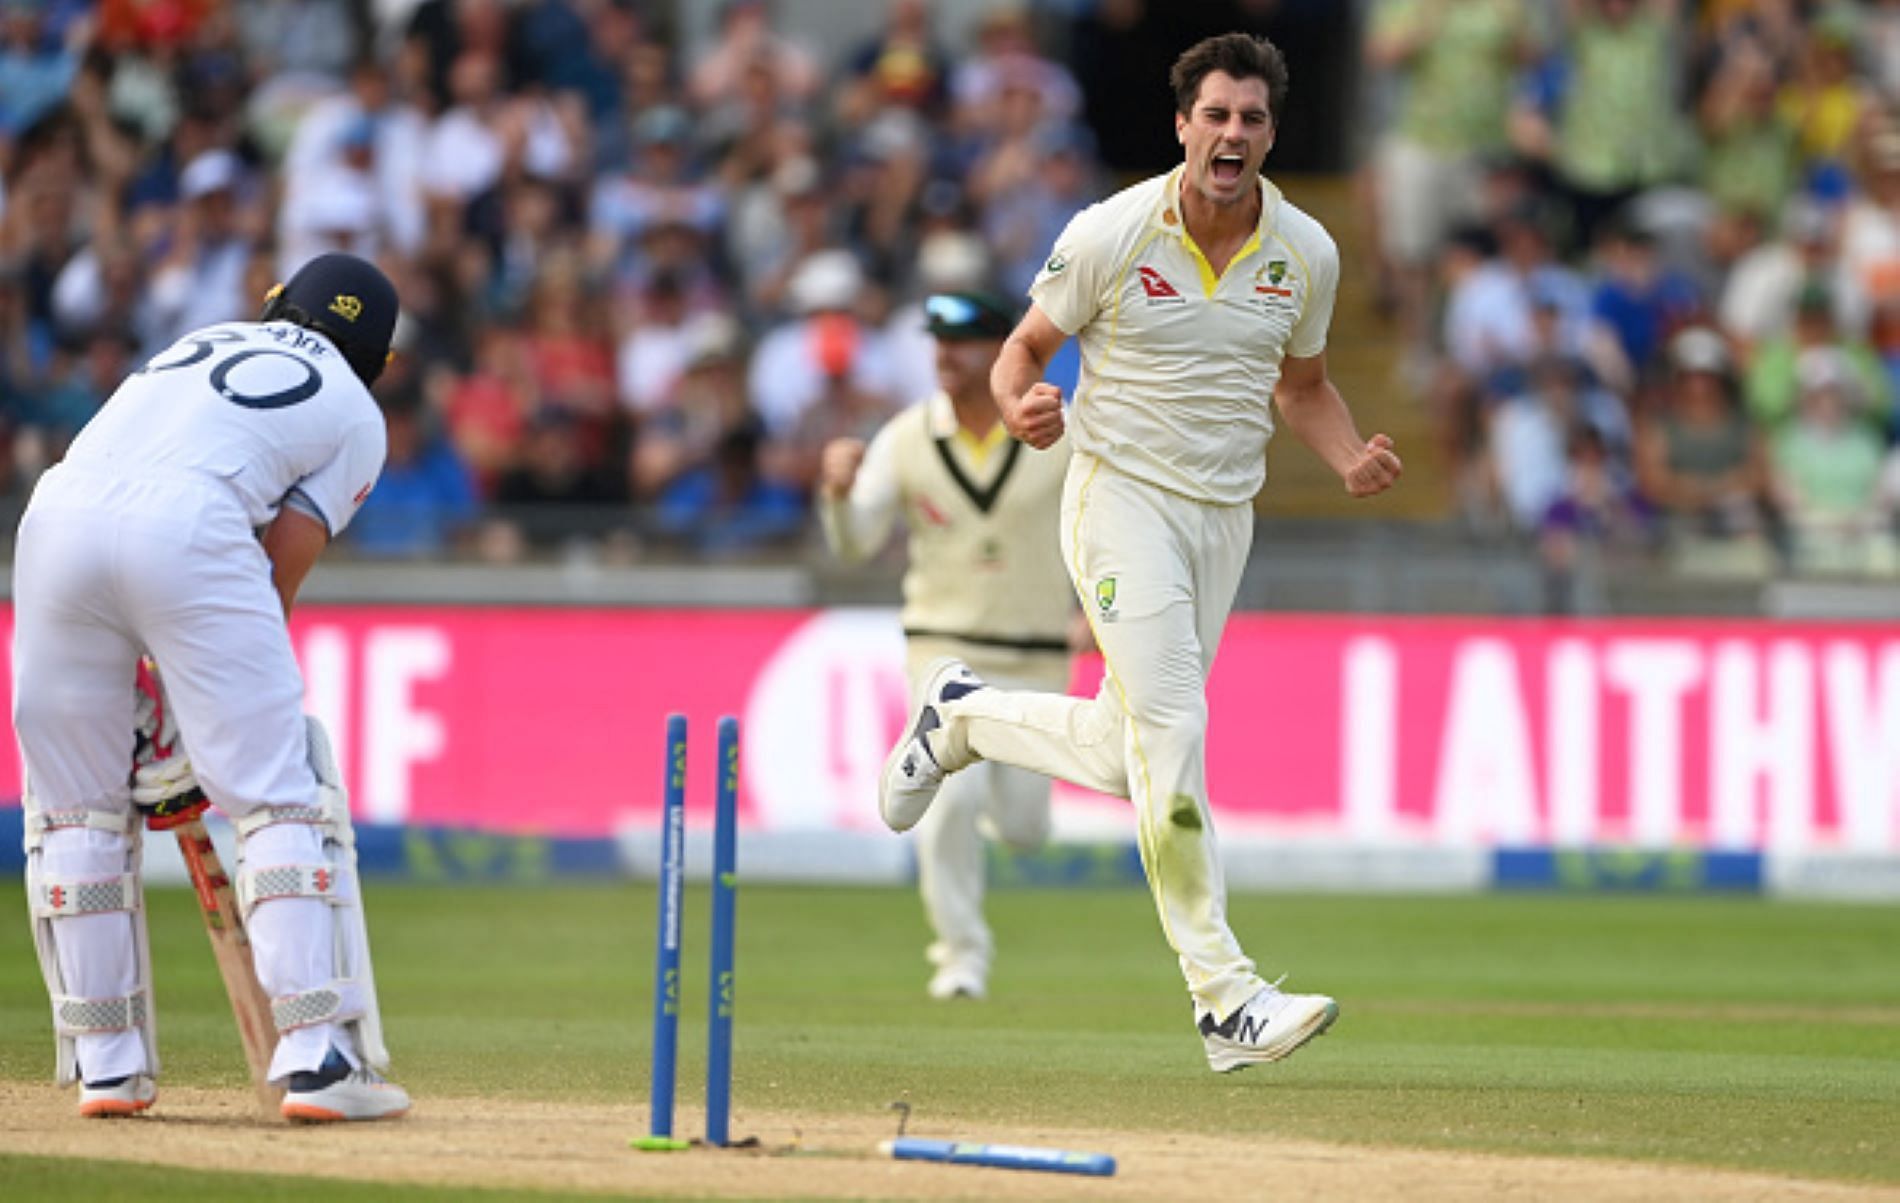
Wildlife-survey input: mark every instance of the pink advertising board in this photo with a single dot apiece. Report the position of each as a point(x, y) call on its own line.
point(1437, 732)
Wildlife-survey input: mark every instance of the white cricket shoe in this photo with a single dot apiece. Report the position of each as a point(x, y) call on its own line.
point(336, 1093)
point(912, 773)
point(957, 980)
point(117, 1097)
point(1268, 1027)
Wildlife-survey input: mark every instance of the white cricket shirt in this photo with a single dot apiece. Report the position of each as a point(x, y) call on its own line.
point(1178, 365)
point(985, 563)
point(267, 408)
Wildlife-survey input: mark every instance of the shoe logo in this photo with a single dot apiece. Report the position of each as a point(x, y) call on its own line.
point(910, 766)
point(1251, 1029)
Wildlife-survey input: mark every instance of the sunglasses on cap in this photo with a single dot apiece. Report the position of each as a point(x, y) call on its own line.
point(948, 315)
point(952, 311)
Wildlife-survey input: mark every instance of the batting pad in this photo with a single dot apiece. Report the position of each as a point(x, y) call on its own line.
point(88, 910)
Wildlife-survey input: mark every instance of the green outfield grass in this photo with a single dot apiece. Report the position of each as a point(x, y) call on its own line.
point(1724, 1032)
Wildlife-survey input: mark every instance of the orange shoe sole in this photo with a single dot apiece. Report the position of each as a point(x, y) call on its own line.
point(114, 1108)
point(308, 1114)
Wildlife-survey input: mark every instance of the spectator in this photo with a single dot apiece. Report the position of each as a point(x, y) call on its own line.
point(1457, 61)
point(1023, 221)
point(1825, 103)
point(1773, 383)
point(1530, 437)
point(1826, 467)
point(1602, 111)
point(486, 412)
point(1698, 460)
point(337, 205)
point(1868, 271)
point(654, 351)
point(827, 347)
point(369, 127)
point(707, 402)
point(1639, 301)
point(1006, 48)
point(1598, 514)
point(900, 67)
point(554, 496)
point(1748, 164)
point(745, 35)
point(1763, 291)
point(425, 500)
point(777, 227)
point(200, 282)
point(729, 507)
point(660, 189)
point(35, 71)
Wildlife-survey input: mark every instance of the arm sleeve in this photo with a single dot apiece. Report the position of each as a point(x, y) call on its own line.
point(858, 525)
point(1069, 286)
point(334, 491)
point(1316, 311)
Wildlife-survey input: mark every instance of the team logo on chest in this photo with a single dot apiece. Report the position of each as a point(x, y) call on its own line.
point(1272, 280)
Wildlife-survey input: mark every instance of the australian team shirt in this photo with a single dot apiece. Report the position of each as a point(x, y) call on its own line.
point(1179, 364)
point(985, 564)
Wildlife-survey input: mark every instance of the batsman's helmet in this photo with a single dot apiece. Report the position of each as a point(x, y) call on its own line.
point(346, 299)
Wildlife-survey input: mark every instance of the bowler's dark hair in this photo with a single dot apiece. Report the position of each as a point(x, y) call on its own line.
point(1240, 55)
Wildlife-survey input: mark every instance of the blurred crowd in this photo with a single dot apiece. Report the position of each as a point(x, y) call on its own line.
point(1645, 255)
point(641, 288)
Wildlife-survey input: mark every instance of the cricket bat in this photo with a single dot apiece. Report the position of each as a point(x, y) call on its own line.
point(231, 945)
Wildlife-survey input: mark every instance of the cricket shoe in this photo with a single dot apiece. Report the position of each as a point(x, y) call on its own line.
point(958, 981)
point(913, 773)
point(334, 1092)
point(114, 1097)
point(1268, 1027)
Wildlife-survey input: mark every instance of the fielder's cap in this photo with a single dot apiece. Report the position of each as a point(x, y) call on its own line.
point(347, 299)
point(957, 316)
point(211, 171)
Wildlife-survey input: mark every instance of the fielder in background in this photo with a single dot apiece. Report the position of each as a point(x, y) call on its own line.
point(180, 525)
point(1197, 298)
point(985, 582)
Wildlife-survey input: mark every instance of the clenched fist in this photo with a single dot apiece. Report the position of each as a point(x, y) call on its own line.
point(838, 467)
point(1376, 470)
point(1036, 416)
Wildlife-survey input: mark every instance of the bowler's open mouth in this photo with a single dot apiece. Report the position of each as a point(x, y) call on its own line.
point(1227, 168)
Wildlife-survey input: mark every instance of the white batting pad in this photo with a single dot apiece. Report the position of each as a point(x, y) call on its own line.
point(89, 930)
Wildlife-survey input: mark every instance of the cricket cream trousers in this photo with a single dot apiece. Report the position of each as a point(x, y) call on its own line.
point(985, 801)
point(1156, 573)
point(108, 567)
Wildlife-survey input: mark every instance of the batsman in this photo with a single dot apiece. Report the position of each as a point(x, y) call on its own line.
point(180, 527)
